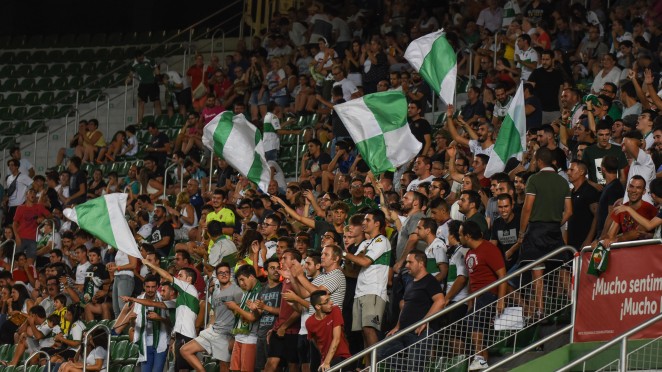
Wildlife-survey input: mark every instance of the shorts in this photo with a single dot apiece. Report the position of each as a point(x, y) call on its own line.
point(148, 92)
point(254, 101)
point(281, 101)
point(484, 312)
point(29, 247)
point(261, 353)
point(368, 311)
point(281, 347)
point(540, 239)
point(180, 362)
point(303, 346)
point(243, 357)
point(215, 344)
point(185, 98)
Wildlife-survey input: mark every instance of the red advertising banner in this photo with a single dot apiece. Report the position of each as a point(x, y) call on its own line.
point(624, 296)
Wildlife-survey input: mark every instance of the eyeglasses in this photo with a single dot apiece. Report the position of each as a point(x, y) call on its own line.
point(327, 236)
point(266, 224)
point(356, 186)
point(223, 273)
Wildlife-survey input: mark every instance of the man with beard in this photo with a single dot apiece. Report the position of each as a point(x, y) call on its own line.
point(623, 222)
point(505, 230)
point(501, 105)
point(422, 170)
point(481, 141)
point(582, 223)
point(419, 90)
point(163, 235)
point(594, 154)
point(211, 109)
point(548, 82)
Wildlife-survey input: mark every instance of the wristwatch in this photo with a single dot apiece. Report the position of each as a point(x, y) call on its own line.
point(344, 254)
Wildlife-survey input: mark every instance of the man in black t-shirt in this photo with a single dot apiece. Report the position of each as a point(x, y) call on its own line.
point(77, 183)
point(422, 298)
point(612, 191)
point(420, 127)
point(159, 145)
point(163, 234)
point(548, 81)
point(505, 230)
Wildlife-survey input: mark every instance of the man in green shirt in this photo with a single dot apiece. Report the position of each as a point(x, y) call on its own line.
point(148, 87)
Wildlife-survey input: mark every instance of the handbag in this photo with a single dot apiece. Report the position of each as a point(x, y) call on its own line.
point(12, 187)
point(201, 90)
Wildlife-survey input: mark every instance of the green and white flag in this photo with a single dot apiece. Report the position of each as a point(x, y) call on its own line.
point(434, 58)
point(104, 218)
point(511, 140)
point(239, 142)
point(378, 125)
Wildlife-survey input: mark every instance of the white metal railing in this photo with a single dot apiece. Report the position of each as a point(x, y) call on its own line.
point(622, 340)
point(448, 347)
point(87, 334)
point(48, 360)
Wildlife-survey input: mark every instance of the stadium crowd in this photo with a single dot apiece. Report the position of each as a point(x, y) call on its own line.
point(310, 271)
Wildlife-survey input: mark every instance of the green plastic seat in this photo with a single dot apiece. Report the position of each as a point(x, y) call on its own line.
point(34, 112)
point(12, 99)
point(89, 68)
point(39, 70)
point(75, 82)
point(46, 98)
point(19, 113)
point(67, 40)
point(83, 38)
point(114, 38)
point(22, 57)
point(10, 84)
point(27, 84)
point(31, 99)
point(7, 71)
point(61, 83)
point(56, 69)
point(162, 121)
point(7, 57)
point(5, 113)
point(177, 121)
point(119, 350)
point(56, 56)
point(73, 68)
point(39, 56)
point(44, 83)
point(146, 120)
point(23, 71)
point(87, 55)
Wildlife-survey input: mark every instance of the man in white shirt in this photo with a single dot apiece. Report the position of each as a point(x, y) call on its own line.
point(26, 167)
point(16, 188)
point(349, 90)
point(526, 58)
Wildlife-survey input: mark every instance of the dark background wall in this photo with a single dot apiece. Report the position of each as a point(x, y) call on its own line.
point(73, 16)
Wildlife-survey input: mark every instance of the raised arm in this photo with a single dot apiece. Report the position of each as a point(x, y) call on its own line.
point(299, 218)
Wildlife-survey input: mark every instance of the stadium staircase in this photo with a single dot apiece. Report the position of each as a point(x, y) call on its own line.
point(520, 342)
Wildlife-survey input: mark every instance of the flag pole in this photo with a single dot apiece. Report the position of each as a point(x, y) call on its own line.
point(211, 169)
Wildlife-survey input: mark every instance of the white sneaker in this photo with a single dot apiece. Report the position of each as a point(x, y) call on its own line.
point(478, 364)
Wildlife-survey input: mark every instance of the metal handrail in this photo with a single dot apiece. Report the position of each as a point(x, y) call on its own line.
point(66, 123)
point(13, 254)
point(96, 110)
point(165, 179)
point(373, 349)
point(48, 360)
point(622, 339)
point(529, 347)
point(87, 334)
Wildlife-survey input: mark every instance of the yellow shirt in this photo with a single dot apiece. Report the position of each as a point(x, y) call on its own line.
point(225, 216)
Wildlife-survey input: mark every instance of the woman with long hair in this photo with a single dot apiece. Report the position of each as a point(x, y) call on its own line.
point(18, 305)
point(184, 215)
point(248, 250)
point(95, 359)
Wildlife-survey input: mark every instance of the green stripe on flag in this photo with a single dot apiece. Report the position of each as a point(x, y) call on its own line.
point(506, 149)
point(373, 150)
point(438, 63)
point(94, 213)
point(222, 132)
point(389, 109)
point(255, 172)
